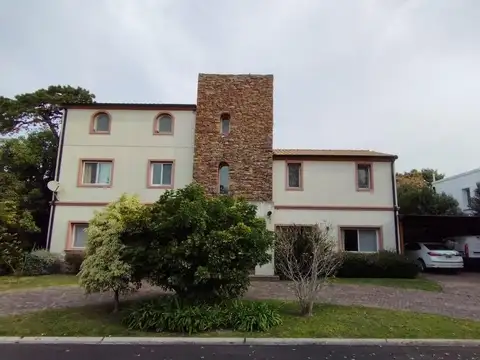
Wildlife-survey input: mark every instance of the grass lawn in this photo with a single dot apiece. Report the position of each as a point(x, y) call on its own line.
point(416, 284)
point(328, 321)
point(8, 283)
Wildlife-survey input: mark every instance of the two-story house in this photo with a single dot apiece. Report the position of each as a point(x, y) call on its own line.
point(461, 186)
point(224, 142)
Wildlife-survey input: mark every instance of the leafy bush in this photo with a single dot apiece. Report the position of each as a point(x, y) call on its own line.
point(104, 268)
point(73, 261)
point(11, 253)
point(384, 264)
point(171, 314)
point(199, 246)
point(41, 262)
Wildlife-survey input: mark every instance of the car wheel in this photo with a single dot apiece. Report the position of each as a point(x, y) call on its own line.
point(421, 265)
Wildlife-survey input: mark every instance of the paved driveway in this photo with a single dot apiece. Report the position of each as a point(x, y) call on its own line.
point(460, 298)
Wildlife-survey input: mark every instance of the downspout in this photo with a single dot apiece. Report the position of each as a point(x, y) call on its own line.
point(395, 206)
point(57, 178)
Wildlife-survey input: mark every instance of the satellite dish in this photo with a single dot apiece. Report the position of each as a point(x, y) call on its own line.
point(53, 186)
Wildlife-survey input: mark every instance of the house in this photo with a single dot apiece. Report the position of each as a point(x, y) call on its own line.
point(224, 142)
point(461, 186)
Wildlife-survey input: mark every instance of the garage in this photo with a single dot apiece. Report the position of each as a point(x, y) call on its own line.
point(435, 229)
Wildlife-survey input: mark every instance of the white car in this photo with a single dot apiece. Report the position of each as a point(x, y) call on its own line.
point(434, 256)
point(467, 246)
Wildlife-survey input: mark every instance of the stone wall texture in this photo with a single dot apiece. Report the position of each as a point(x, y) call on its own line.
point(247, 149)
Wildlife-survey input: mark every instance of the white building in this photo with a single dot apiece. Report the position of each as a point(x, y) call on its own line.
point(461, 187)
point(110, 149)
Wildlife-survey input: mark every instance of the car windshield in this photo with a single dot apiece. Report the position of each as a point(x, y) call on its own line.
point(436, 247)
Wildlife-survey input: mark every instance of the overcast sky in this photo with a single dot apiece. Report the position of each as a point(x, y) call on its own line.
point(399, 76)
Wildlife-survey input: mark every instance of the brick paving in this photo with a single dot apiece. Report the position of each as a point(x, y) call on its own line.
point(460, 297)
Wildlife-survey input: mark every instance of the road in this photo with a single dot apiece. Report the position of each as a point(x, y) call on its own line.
point(231, 352)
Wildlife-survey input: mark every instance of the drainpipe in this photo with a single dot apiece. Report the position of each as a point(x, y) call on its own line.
point(395, 205)
point(57, 177)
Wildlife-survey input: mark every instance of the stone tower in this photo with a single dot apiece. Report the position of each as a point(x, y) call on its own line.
point(234, 129)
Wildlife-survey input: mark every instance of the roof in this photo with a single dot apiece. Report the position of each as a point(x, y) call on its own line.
point(132, 106)
point(466, 173)
point(330, 153)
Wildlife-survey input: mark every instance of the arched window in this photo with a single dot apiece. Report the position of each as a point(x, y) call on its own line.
point(100, 123)
point(225, 124)
point(163, 124)
point(223, 178)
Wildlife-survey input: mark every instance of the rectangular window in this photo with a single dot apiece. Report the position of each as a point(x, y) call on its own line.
point(79, 234)
point(364, 177)
point(294, 176)
point(161, 173)
point(467, 198)
point(362, 240)
point(97, 172)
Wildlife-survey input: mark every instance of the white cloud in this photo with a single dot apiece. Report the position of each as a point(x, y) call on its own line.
point(398, 76)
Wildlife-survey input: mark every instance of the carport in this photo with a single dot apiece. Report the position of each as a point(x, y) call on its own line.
point(434, 228)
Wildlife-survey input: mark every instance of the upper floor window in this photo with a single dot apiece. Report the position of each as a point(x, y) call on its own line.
point(97, 172)
point(100, 123)
point(225, 124)
point(362, 240)
point(224, 178)
point(161, 174)
point(467, 197)
point(163, 124)
point(294, 176)
point(364, 177)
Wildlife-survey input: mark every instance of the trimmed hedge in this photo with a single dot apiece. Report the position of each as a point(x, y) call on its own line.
point(169, 314)
point(73, 261)
point(42, 262)
point(384, 264)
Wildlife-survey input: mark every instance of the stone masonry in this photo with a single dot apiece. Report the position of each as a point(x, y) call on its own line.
point(247, 149)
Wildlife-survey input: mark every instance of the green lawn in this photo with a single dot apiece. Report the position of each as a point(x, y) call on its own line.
point(328, 321)
point(8, 283)
point(417, 284)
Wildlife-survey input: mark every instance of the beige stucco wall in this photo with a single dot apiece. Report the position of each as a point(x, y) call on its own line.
point(335, 219)
point(332, 183)
point(131, 144)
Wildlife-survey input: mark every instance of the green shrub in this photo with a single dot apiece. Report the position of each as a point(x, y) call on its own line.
point(170, 314)
point(41, 262)
point(73, 262)
point(384, 264)
point(253, 316)
point(200, 246)
point(11, 253)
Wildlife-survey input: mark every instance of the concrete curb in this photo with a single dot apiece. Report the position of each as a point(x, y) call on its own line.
point(235, 341)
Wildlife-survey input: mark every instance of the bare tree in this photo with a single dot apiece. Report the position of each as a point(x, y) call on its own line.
point(308, 256)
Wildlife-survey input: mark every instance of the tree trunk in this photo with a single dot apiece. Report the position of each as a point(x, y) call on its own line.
point(116, 301)
point(307, 308)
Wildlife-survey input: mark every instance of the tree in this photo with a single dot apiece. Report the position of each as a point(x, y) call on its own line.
point(200, 246)
point(40, 110)
point(15, 223)
point(425, 201)
point(104, 268)
point(475, 201)
point(418, 178)
point(32, 158)
point(309, 257)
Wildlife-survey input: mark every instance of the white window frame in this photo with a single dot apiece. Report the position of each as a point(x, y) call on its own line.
point(74, 234)
point(159, 162)
point(159, 117)
point(95, 123)
point(98, 162)
point(377, 234)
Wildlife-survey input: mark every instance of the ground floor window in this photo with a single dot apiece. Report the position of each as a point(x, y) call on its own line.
point(79, 236)
point(362, 240)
